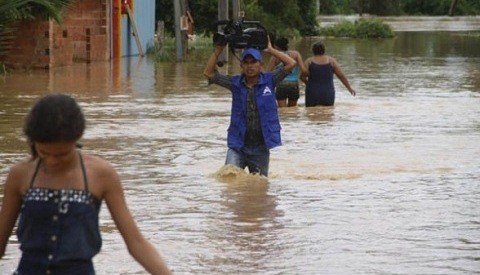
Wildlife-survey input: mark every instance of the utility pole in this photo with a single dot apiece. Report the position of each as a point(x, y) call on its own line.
point(237, 12)
point(223, 15)
point(178, 33)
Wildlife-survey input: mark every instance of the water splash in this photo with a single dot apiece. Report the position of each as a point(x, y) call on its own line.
point(234, 175)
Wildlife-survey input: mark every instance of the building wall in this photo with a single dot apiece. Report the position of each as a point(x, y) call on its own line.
point(91, 30)
point(144, 16)
point(83, 35)
point(31, 46)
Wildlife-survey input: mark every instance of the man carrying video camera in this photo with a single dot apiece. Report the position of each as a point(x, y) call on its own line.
point(254, 123)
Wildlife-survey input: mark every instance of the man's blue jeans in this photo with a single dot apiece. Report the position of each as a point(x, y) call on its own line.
point(256, 158)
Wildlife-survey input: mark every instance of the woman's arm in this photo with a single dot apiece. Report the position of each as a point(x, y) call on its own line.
point(288, 62)
point(305, 74)
point(140, 249)
point(301, 64)
point(338, 72)
point(272, 63)
point(11, 203)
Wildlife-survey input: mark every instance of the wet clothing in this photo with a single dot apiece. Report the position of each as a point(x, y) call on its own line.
point(289, 87)
point(254, 134)
point(256, 158)
point(58, 230)
point(293, 75)
point(319, 88)
point(254, 123)
point(254, 110)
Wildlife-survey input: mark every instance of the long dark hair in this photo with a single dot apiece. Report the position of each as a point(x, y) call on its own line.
point(54, 118)
point(282, 43)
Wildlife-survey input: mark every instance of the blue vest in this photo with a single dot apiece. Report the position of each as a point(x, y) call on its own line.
point(267, 110)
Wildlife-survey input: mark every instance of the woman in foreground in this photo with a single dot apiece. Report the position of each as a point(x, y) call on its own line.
point(58, 193)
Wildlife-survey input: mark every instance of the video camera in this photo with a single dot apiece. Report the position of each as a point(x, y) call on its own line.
point(240, 34)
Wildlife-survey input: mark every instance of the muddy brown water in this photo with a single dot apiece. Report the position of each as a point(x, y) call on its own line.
point(383, 183)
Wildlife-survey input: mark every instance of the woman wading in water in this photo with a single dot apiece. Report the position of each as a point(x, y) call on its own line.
point(320, 89)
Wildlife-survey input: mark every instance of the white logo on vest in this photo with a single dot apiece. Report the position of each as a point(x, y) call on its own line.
point(267, 91)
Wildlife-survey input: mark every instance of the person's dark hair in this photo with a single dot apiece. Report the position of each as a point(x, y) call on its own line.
point(318, 48)
point(54, 118)
point(282, 43)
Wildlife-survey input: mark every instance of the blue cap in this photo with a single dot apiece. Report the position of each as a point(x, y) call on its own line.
point(253, 52)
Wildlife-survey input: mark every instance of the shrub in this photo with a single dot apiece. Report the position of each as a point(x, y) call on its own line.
point(372, 28)
point(363, 28)
point(342, 29)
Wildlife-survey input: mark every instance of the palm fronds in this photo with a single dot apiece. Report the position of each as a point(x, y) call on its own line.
point(12, 11)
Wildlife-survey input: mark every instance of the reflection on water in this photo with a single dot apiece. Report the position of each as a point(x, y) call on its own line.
point(251, 226)
point(320, 114)
point(386, 182)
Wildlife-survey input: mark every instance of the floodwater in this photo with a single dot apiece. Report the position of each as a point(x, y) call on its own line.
point(386, 182)
point(413, 23)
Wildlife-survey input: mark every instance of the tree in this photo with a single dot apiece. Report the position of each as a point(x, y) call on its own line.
point(452, 7)
point(273, 14)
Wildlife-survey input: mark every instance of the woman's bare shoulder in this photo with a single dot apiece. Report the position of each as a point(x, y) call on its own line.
point(97, 164)
point(101, 174)
point(332, 60)
point(21, 173)
point(23, 164)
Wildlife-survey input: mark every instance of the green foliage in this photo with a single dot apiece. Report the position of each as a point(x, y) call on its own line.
point(330, 7)
point(276, 16)
point(309, 10)
point(364, 28)
point(16, 10)
point(164, 51)
point(470, 7)
point(372, 28)
point(439, 7)
point(342, 29)
point(205, 13)
point(298, 17)
point(164, 11)
point(290, 15)
point(382, 7)
point(399, 7)
point(197, 50)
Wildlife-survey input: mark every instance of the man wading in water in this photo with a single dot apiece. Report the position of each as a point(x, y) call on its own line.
point(254, 124)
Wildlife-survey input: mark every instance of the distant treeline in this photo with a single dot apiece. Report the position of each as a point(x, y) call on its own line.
point(399, 7)
point(300, 16)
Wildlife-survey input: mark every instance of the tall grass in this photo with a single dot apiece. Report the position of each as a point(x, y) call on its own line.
point(197, 49)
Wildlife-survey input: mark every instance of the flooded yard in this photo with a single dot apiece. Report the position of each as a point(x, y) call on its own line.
point(387, 182)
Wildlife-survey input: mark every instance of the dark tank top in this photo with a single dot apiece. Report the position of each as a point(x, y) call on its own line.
point(58, 230)
point(319, 89)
